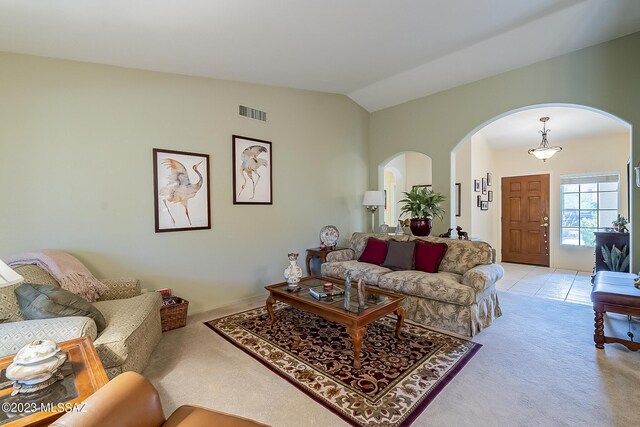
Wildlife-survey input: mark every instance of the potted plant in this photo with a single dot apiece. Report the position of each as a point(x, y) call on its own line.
point(620, 224)
point(422, 204)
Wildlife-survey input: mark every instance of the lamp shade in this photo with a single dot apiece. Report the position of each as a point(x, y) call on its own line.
point(373, 198)
point(544, 153)
point(8, 276)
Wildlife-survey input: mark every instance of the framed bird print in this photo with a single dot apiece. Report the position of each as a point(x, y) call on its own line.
point(181, 190)
point(252, 166)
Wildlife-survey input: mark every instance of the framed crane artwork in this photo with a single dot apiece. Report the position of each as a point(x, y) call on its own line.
point(181, 190)
point(252, 178)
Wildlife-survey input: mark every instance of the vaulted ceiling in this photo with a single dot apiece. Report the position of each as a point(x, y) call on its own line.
point(378, 52)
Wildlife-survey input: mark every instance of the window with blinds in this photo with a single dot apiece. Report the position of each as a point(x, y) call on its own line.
point(588, 203)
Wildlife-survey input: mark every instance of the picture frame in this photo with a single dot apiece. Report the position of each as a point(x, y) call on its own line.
point(484, 185)
point(484, 206)
point(413, 187)
point(181, 190)
point(490, 195)
point(458, 198)
point(252, 165)
point(479, 200)
point(489, 179)
point(476, 185)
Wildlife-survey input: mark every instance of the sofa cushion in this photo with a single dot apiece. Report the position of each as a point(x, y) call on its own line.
point(462, 255)
point(48, 302)
point(358, 241)
point(370, 273)
point(429, 255)
point(375, 252)
point(442, 286)
point(15, 335)
point(399, 255)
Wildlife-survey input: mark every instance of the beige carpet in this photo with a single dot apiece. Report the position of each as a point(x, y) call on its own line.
point(537, 367)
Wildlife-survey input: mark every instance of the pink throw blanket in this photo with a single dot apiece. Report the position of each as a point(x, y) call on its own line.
point(66, 269)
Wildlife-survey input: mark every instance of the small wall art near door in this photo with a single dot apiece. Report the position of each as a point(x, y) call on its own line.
point(181, 190)
point(252, 166)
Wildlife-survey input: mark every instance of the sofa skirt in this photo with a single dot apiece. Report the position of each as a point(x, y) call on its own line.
point(463, 320)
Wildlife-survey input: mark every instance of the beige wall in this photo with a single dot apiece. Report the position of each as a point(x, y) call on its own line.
point(76, 141)
point(603, 77)
point(483, 224)
point(467, 196)
point(583, 156)
point(418, 170)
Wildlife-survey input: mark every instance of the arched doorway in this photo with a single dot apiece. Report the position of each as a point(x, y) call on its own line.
point(584, 154)
point(399, 174)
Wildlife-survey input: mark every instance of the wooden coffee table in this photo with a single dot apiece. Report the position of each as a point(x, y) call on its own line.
point(86, 375)
point(379, 303)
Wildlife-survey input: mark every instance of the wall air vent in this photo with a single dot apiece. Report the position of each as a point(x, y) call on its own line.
point(252, 113)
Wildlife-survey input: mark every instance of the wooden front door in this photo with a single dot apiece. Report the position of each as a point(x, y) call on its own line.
point(525, 219)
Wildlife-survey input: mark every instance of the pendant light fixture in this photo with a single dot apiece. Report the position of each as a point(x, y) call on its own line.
point(544, 152)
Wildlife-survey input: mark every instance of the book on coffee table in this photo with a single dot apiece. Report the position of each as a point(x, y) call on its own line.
point(318, 292)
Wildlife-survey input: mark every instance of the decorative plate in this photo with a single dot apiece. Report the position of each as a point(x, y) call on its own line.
point(329, 235)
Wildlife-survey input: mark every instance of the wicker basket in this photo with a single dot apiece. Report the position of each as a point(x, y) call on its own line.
point(174, 316)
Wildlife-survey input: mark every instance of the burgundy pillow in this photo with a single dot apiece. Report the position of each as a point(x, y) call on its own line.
point(429, 255)
point(375, 252)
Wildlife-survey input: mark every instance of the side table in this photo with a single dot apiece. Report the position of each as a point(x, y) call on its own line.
point(86, 375)
point(321, 254)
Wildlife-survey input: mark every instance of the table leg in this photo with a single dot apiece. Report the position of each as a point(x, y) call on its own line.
point(598, 336)
point(400, 313)
point(309, 264)
point(357, 334)
point(272, 314)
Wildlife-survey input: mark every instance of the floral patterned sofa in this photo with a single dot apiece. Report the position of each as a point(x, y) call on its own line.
point(461, 297)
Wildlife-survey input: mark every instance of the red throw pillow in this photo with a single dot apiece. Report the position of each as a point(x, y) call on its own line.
point(375, 252)
point(429, 255)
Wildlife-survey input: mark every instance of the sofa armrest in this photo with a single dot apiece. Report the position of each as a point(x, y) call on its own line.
point(341, 255)
point(120, 289)
point(483, 276)
point(15, 335)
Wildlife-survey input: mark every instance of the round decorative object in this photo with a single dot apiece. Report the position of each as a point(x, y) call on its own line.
point(420, 227)
point(383, 229)
point(35, 352)
point(329, 235)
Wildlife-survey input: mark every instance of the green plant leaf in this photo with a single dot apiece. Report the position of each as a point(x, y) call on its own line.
point(422, 203)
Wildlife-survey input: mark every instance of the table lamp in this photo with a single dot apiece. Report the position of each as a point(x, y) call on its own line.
point(373, 199)
point(8, 276)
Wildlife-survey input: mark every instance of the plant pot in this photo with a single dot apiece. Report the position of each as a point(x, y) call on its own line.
point(421, 227)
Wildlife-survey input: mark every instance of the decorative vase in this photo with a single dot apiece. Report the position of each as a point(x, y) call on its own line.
point(293, 272)
point(421, 227)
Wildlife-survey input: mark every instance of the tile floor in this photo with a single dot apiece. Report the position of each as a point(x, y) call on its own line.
point(564, 285)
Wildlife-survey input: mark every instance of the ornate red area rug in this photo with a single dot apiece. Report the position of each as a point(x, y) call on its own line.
point(397, 379)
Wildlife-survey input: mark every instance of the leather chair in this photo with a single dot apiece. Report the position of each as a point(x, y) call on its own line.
point(129, 400)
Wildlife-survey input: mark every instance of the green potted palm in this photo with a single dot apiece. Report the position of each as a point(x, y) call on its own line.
point(422, 204)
